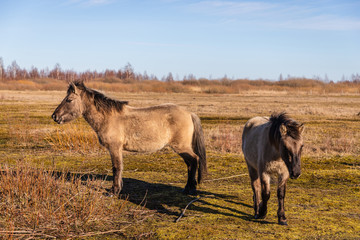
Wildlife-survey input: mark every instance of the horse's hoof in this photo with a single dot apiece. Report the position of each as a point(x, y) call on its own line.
point(284, 223)
point(261, 215)
point(193, 192)
point(108, 194)
point(187, 191)
point(115, 190)
point(258, 216)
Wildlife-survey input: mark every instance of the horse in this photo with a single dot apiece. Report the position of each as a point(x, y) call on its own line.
point(272, 146)
point(121, 127)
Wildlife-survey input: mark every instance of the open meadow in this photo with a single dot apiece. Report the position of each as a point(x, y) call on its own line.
point(53, 178)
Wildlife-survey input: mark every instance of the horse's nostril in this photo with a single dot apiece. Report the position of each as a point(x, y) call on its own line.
point(295, 176)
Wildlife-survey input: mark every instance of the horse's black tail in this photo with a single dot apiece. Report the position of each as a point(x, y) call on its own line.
point(198, 146)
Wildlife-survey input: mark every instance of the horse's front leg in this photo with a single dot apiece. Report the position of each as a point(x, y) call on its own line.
point(117, 167)
point(281, 197)
point(265, 194)
point(256, 187)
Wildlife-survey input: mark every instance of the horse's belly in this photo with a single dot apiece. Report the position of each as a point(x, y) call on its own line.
point(146, 143)
point(144, 146)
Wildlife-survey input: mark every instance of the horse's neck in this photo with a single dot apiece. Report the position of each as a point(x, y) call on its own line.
point(93, 116)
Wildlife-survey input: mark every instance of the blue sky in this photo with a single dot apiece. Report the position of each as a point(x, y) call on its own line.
point(240, 39)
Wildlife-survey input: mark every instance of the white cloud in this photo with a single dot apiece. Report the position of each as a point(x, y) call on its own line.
point(90, 3)
point(231, 8)
point(312, 16)
point(98, 2)
point(322, 22)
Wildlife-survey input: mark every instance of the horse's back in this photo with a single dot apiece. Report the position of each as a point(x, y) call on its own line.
point(159, 111)
point(253, 136)
point(151, 128)
point(166, 115)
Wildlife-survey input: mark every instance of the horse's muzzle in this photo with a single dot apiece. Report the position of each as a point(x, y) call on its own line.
point(295, 176)
point(55, 118)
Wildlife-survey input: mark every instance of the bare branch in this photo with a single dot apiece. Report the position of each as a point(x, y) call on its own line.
point(183, 212)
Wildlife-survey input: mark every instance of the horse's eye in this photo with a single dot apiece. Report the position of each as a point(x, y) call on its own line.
point(68, 100)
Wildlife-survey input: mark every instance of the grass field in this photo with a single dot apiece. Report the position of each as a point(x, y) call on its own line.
point(53, 178)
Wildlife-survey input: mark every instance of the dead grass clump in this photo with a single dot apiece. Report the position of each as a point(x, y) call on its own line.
point(74, 137)
point(301, 83)
point(218, 89)
point(342, 144)
point(20, 130)
point(36, 203)
point(331, 139)
point(224, 138)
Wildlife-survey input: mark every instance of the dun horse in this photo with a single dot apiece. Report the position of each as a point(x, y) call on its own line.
point(121, 127)
point(272, 146)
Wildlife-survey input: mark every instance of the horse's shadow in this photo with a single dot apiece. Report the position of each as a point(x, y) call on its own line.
point(169, 199)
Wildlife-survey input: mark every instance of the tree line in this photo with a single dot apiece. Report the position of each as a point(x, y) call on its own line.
point(15, 72)
point(125, 75)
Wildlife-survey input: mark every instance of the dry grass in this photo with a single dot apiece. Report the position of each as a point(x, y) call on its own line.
point(223, 86)
point(323, 115)
point(41, 200)
point(74, 137)
point(227, 139)
point(43, 203)
point(224, 138)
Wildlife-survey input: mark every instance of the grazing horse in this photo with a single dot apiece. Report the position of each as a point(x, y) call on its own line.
point(121, 127)
point(272, 146)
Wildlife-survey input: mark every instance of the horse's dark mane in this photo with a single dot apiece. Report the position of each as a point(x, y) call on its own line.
point(292, 127)
point(101, 102)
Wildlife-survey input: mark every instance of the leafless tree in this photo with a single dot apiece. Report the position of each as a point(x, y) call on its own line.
point(129, 71)
point(169, 77)
point(13, 70)
point(2, 70)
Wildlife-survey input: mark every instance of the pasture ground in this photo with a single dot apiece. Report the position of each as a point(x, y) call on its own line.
point(53, 178)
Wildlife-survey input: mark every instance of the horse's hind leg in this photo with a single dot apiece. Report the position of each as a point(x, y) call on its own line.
point(191, 160)
point(256, 187)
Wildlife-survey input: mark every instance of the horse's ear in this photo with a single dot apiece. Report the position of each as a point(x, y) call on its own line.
point(73, 88)
point(301, 129)
point(283, 130)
